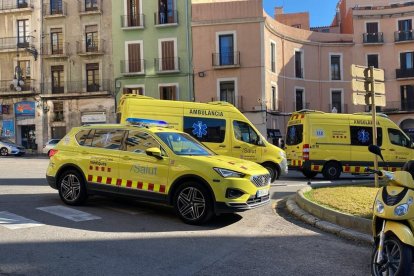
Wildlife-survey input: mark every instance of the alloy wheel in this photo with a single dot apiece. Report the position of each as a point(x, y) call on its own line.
point(191, 203)
point(391, 261)
point(70, 187)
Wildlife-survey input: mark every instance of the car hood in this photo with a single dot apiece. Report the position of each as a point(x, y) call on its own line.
point(230, 163)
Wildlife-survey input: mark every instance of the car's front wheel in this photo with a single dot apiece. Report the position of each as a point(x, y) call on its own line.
point(193, 204)
point(72, 189)
point(4, 152)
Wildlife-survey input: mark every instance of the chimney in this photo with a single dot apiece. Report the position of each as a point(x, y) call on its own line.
point(278, 11)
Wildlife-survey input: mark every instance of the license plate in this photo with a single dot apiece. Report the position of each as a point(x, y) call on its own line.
point(263, 192)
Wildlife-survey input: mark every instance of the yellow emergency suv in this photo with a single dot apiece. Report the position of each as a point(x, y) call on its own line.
point(331, 144)
point(218, 125)
point(152, 162)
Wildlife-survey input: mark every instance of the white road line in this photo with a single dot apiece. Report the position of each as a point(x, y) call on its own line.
point(68, 213)
point(13, 221)
point(125, 211)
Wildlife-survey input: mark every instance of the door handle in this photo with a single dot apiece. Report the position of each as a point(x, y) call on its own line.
point(222, 146)
point(237, 147)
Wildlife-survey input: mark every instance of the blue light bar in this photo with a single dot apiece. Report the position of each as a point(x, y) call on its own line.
point(146, 122)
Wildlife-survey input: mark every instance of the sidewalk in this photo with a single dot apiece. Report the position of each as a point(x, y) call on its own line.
point(328, 220)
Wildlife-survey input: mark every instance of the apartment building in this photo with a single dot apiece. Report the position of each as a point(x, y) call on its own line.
point(77, 70)
point(20, 78)
point(152, 48)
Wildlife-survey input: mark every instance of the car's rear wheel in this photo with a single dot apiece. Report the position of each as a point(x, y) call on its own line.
point(4, 152)
point(72, 189)
point(331, 170)
point(193, 204)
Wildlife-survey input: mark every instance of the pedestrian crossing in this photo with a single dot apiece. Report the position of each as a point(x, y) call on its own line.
point(14, 221)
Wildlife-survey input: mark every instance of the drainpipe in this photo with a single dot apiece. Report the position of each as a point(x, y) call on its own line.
point(190, 50)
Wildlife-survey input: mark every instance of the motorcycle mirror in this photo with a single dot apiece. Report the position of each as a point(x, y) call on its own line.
point(375, 150)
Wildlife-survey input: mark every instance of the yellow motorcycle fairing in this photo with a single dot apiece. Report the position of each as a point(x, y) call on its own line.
point(403, 232)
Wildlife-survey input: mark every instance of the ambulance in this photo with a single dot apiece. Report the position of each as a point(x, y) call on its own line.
point(218, 125)
point(331, 144)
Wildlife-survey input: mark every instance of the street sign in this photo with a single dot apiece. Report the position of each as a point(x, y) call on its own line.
point(362, 72)
point(360, 85)
point(365, 99)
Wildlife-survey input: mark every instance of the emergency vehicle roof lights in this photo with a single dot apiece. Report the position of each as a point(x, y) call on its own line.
point(146, 122)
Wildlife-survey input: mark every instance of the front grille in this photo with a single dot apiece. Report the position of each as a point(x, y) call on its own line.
point(257, 199)
point(261, 180)
point(393, 200)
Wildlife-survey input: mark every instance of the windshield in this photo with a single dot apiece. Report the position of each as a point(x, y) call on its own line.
point(183, 144)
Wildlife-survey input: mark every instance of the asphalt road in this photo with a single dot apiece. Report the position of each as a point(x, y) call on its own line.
point(118, 237)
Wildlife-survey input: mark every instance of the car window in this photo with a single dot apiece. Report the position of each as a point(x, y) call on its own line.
point(398, 138)
point(294, 135)
point(205, 129)
point(244, 132)
point(362, 136)
point(183, 144)
point(107, 138)
point(82, 136)
point(139, 141)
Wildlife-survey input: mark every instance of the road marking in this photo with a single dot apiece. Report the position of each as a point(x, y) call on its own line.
point(13, 221)
point(68, 213)
point(125, 211)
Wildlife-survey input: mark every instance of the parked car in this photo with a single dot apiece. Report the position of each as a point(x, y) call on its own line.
point(50, 145)
point(8, 147)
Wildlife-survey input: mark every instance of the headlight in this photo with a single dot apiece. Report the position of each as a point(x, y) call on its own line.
point(401, 210)
point(379, 207)
point(228, 173)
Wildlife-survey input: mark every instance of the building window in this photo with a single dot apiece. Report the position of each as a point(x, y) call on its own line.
point(58, 115)
point(168, 60)
point(226, 49)
point(168, 92)
point(134, 90)
point(336, 101)
point(298, 64)
point(134, 62)
point(299, 99)
point(274, 98)
point(91, 5)
point(166, 12)
point(372, 33)
point(227, 92)
point(57, 79)
point(92, 77)
point(23, 30)
point(404, 30)
point(372, 60)
point(407, 97)
point(91, 37)
point(133, 13)
point(56, 7)
point(335, 67)
point(272, 57)
point(56, 40)
point(407, 60)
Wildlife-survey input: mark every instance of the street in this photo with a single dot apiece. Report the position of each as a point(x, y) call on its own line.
point(42, 236)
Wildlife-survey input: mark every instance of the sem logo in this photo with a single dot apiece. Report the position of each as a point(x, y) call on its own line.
point(363, 136)
point(199, 129)
point(320, 133)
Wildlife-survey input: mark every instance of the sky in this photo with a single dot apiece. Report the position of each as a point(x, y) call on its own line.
point(321, 12)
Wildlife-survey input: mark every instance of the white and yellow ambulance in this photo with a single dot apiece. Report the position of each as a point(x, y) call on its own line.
point(331, 144)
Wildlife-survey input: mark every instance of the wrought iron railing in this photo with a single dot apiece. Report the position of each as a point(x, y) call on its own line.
point(226, 59)
point(131, 21)
point(132, 66)
point(8, 86)
point(169, 17)
point(404, 73)
point(86, 47)
point(87, 6)
point(373, 37)
point(403, 36)
point(167, 64)
point(16, 42)
point(77, 86)
point(58, 8)
point(398, 106)
point(14, 4)
point(59, 49)
point(237, 101)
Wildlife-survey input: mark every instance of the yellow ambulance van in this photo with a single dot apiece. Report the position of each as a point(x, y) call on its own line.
point(331, 144)
point(218, 125)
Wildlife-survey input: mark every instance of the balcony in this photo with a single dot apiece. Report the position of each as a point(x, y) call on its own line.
point(300, 106)
point(90, 48)
point(167, 65)
point(57, 10)
point(129, 22)
point(373, 38)
point(15, 43)
point(226, 59)
point(59, 50)
point(7, 88)
point(15, 5)
point(171, 18)
point(76, 89)
point(399, 106)
point(404, 73)
point(133, 67)
point(403, 36)
point(87, 7)
point(343, 108)
point(236, 101)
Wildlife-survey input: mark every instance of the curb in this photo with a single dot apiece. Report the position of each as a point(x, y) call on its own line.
point(323, 184)
point(324, 220)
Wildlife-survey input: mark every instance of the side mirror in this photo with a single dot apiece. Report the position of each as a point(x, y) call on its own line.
point(375, 150)
point(156, 152)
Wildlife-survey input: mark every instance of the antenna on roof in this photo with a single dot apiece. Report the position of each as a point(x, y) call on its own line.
point(146, 122)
